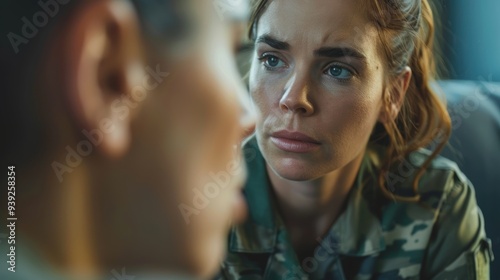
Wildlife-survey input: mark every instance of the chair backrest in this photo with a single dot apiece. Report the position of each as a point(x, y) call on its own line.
point(474, 108)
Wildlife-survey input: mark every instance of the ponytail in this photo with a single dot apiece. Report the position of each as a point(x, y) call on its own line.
point(423, 117)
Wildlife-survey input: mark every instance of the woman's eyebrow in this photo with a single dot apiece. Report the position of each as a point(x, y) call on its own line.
point(273, 42)
point(331, 52)
point(338, 52)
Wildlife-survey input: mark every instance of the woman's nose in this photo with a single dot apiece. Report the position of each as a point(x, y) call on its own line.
point(296, 97)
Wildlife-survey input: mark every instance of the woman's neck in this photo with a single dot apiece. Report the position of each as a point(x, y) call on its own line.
point(310, 208)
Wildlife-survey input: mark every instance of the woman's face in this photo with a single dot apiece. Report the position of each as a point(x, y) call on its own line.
point(317, 77)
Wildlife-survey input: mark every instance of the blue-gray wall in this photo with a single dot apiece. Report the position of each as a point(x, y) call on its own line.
point(471, 32)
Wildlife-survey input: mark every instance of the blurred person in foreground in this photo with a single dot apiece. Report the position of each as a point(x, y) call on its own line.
point(123, 119)
point(342, 187)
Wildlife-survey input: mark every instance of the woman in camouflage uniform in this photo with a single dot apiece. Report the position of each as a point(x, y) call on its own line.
point(340, 185)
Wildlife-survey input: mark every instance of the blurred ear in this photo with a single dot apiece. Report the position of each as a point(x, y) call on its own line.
point(395, 95)
point(102, 59)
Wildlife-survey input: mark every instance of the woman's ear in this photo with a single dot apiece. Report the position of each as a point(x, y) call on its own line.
point(101, 55)
point(395, 95)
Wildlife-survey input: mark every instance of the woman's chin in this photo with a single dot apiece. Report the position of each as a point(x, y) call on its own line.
point(294, 171)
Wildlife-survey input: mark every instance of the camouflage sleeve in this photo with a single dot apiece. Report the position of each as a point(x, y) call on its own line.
point(459, 248)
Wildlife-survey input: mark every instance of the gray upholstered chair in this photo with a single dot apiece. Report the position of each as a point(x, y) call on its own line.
point(475, 145)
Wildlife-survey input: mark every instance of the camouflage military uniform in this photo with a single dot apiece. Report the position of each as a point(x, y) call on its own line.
point(441, 237)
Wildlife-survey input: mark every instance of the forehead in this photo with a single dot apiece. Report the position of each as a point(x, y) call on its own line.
point(317, 23)
point(216, 20)
point(223, 10)
point(234, 10)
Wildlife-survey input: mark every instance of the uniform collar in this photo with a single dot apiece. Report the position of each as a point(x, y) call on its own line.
point(358, 230)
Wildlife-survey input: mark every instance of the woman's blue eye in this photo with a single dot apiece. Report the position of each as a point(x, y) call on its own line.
point(339, 72)
point(272, 61)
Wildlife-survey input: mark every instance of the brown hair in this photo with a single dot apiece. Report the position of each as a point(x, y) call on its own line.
point(406, 31)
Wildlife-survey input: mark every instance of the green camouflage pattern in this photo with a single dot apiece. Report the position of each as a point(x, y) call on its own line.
point(440, 237)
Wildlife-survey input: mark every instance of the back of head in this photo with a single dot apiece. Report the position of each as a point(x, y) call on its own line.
point(106, 146)
point(25, 25)
point(30, 27)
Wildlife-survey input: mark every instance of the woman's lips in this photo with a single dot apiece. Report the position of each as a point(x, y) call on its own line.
point(294, 142)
